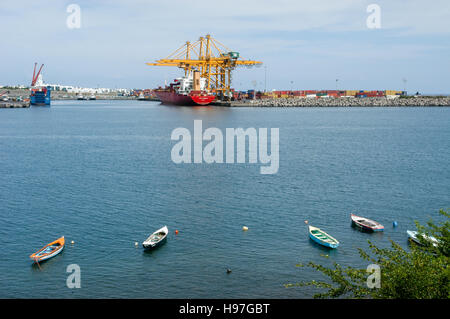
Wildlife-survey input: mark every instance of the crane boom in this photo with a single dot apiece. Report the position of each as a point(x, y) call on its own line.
point(212, 59)
point(33, 82)
point(34, 72)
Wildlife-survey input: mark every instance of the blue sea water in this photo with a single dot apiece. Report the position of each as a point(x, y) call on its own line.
point(100, 173)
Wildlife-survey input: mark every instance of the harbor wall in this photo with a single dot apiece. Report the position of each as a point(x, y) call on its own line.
point(345, 102)
point(14, 104)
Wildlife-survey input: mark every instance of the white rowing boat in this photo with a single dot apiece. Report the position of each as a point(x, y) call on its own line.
point(366, 223)
point(414, 236)
point(156, 239)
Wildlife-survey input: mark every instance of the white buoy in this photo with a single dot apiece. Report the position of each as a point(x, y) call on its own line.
point(245, 228)
point(136, 243)
point(72, 242)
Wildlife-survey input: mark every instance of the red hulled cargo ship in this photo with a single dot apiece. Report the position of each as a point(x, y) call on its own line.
point(193, 98)
point(187, 91)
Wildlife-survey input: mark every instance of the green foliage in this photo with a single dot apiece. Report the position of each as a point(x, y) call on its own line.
point(422, 272)
point(441, 232)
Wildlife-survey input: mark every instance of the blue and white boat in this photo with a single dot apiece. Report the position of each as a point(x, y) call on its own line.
point(40, 93)
point(322, 238)
point(49, 250)
point(40, 96)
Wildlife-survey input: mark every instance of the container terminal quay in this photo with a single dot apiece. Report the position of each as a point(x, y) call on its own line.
point(11, 97)
point(206, 72)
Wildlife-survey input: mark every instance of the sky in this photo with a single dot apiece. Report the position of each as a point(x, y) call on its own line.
point(302, 44)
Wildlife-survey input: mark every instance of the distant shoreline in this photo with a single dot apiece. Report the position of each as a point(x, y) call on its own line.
point(408, 101)
point(62, 95)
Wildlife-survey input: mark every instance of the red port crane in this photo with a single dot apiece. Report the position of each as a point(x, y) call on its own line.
point(35, 76)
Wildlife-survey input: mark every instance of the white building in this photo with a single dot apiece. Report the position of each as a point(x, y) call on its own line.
point(82, 90)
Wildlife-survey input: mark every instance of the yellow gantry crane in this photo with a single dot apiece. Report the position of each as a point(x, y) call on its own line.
point(211, 59)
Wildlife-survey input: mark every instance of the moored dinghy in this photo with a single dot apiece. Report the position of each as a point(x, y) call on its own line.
point(322, 238)
point(366, 224)
point(414, 236)
point(49, 250)
point(156, 239)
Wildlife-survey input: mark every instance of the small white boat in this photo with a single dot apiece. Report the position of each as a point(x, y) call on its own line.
point(414, 236)
point(366, 223)
point(156, 239)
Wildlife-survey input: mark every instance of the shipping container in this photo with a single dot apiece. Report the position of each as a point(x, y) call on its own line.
point(393, 92)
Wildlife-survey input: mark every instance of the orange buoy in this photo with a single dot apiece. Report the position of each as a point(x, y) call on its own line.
point(176, 231)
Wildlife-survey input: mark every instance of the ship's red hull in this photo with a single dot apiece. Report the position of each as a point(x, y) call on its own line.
point(169, 97)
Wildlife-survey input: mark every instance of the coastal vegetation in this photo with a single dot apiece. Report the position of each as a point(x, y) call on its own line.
point(422, 272)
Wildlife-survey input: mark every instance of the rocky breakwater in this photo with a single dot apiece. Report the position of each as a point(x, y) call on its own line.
point(348, 102)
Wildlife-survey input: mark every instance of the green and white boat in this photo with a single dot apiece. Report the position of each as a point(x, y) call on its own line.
point(414, 236)
point(322, 238)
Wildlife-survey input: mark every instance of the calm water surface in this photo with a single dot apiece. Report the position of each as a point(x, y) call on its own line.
point(100, 173)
